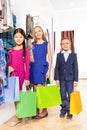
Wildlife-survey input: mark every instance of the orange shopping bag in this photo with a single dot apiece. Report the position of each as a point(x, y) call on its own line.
point(75, 103)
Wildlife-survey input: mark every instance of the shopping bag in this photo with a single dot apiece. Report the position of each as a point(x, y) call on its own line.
point(47, 96)
point(11, 92)
point(75, 103)
point(26, 107)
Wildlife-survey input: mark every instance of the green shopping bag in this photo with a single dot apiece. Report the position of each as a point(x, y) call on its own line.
point(26, 107)
point(47, 96)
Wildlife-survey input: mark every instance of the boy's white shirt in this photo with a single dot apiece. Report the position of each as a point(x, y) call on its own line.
point(66, 54)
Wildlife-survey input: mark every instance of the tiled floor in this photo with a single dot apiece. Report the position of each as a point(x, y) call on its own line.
point(53, 122)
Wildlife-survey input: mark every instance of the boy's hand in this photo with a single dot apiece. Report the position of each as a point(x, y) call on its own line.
point(75, 84)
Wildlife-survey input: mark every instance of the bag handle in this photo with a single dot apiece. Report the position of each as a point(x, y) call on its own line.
point(75, 88)
point(11, 74)
point(46, 81)
point(25, 88)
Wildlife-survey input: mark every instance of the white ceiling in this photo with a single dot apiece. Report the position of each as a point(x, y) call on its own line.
point(68, 4)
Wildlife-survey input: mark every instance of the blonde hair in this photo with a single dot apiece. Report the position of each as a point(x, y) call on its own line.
point(43, 34)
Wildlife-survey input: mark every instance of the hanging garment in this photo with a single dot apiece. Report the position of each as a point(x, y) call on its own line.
point(8, 40)
point(1, 92)
point(6, 22)
point(2, 8)
point(29, 26)
point(2, 72)
point(2, 61)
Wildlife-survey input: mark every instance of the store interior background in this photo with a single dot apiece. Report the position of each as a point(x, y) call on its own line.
point(55, 15)
point(58, 16)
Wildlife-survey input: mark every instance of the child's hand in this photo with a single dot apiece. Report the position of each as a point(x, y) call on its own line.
point(75, 84)
point(10, 69)
point(58, 83)
point(31, 59)
point(48, 74)
point(27, 82)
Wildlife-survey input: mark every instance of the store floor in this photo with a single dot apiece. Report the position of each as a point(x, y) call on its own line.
point(53, 121)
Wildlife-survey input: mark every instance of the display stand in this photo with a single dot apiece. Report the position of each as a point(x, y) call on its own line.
point(7, 111)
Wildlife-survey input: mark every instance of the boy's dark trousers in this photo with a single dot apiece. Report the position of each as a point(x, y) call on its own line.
point(66, 87)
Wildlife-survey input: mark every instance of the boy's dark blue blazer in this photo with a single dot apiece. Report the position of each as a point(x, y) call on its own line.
point(66, 70)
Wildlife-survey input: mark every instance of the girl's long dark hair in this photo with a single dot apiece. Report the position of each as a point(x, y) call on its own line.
point(20, 30)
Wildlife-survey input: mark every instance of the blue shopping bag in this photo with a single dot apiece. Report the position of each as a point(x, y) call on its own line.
point(11, 92)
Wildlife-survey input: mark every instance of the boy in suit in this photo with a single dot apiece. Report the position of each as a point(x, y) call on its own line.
point(66, 75)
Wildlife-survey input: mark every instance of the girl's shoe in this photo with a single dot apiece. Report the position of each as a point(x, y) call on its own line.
point(24, 120)
point(40, 116)
point(14, 123)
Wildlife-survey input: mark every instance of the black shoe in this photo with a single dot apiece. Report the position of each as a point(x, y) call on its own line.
point(69, 116)
point(62, 115)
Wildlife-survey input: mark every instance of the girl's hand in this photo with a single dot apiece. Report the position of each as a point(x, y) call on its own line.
point(48, 75)
point(58, 83)
point(10, 69)
point(31, 59)
point(27, 82)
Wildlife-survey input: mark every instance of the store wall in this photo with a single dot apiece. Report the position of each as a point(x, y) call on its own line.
point(35, 8)
point(74, 20)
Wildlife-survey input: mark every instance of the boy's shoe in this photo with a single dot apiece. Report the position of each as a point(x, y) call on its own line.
point(69, 116)
point(62, 115)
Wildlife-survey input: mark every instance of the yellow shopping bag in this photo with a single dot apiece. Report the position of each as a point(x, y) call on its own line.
point(75, 103)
